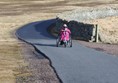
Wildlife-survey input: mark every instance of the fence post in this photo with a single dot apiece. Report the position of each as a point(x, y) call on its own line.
point(96, 35)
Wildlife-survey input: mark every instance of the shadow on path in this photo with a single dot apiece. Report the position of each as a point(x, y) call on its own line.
point(35, 31)
point(52, 45)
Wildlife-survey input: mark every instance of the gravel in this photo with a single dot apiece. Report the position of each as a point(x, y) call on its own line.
point(108, 48)
point(90, 13)
point(39, 67)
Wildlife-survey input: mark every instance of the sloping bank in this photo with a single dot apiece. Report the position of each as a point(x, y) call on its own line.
point(93, 24)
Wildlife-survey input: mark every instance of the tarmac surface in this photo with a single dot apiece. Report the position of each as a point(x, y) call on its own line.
point(77, 64)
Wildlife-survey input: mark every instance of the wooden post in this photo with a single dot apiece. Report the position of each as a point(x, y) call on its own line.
point(96, 35)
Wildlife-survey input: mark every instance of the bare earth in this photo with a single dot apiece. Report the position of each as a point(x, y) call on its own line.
point(19, 63)
point(110, 49)
point(40, 69)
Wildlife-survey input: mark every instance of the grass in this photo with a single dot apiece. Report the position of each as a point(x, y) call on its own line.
point(12, 64)
point(10, 60)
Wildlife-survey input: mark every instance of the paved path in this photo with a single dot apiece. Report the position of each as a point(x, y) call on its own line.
point(78, 64)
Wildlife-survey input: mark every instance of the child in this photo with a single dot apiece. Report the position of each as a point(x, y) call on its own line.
point(64, 34)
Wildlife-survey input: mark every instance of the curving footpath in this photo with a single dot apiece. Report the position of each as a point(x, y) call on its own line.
point(78, 64)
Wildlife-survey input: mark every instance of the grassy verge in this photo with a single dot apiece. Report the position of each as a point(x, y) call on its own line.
point(11, 62)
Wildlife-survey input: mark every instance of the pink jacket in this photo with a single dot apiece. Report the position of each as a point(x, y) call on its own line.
point(65, 34)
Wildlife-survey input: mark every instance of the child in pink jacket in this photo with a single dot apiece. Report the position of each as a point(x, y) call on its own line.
point(65, 33)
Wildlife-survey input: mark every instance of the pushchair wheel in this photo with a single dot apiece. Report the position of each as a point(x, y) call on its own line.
point(57, 45)
point(65, 44)
point(70, 42)
point(57, 42)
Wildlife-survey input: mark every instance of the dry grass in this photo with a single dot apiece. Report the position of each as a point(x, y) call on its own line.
point(10, 60)
point(16, 13)
point(108, 28)
point(12, 64)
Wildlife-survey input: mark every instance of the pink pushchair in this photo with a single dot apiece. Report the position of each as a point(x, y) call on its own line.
point(64, 38)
